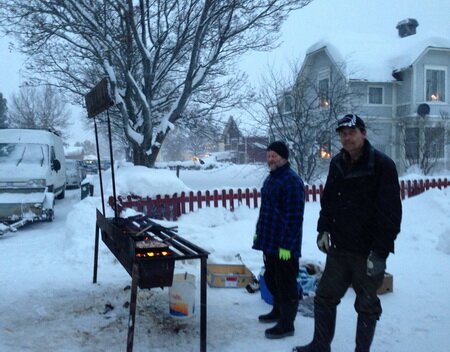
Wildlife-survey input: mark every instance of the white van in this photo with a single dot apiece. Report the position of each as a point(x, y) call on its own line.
point(32, 169)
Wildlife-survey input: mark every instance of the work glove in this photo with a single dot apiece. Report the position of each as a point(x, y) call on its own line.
point(375, 264)
point(284, 254)
point(323, 241)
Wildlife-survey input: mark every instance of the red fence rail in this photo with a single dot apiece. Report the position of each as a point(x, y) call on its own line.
point(172, 207)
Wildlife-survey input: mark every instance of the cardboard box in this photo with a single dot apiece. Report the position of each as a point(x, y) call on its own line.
point(387, 285)
point(228, 275)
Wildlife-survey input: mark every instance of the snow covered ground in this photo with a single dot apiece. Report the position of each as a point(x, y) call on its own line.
point(49, 303)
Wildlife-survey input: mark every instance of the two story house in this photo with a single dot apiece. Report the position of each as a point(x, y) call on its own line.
point(399, 85)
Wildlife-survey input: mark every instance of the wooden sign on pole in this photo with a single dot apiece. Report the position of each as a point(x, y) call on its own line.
point(99, 98)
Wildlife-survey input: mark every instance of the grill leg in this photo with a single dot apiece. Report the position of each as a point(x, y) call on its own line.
point(97, 230)
point(203, 305)
point(133, 298)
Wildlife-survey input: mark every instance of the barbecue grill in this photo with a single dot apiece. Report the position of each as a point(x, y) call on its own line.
point(145, 249)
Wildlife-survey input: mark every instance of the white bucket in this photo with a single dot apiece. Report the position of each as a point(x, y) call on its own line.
point(182, 296)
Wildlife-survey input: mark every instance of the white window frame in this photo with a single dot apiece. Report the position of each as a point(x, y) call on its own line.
point(435, 68)
point(382, 95)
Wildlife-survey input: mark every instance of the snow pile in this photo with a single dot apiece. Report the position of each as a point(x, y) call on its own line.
point(145, 182)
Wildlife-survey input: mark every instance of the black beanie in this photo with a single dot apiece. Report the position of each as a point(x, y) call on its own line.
point(280, 148)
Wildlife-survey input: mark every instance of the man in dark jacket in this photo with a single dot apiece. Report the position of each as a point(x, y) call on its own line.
point(279, 236)
point(359, 220)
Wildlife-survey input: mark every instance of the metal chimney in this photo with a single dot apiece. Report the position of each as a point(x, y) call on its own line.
point(407, 27)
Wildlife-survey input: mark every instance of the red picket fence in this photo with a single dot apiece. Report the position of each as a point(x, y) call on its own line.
point(172, 207)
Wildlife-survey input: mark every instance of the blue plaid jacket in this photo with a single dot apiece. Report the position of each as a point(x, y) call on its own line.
point(281, 214)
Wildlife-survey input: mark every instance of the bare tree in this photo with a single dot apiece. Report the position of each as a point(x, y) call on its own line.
point(42, 107)
point(302, 111)
point(160, 56)
point(3, 112)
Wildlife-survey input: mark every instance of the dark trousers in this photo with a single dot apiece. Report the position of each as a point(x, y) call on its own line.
point(281, 280)
point(342, 269)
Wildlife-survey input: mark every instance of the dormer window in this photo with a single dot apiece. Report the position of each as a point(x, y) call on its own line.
point(435, 78)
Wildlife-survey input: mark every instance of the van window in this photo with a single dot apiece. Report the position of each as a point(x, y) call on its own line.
point(53, 156)
point(24, 153)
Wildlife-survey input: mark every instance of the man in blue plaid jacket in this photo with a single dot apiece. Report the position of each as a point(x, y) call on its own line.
point(279, 237)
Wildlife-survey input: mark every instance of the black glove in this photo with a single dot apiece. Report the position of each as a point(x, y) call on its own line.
point(323, 241)
point(375, 264)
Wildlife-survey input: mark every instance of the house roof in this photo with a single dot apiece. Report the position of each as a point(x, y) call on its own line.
point(374, 58)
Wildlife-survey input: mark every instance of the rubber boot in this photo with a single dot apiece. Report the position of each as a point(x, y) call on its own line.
point(365, 330)
point(272, 317)
point(285, 326)
point(324, 325)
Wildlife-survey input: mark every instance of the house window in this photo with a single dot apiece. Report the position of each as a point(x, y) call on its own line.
point(325, 147)
point(324, 100)
point(412, 143)
point(435, 84)
point(434, 142)
point(288, 103)
point(325, 151)
point(375, 95)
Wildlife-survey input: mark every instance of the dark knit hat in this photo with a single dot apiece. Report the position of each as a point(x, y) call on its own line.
point(352, 121)
point(280, 148)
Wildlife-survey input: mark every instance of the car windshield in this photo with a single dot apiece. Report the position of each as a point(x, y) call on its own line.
point(24, 153)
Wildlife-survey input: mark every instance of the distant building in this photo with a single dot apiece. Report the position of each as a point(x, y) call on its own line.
point(243, 150)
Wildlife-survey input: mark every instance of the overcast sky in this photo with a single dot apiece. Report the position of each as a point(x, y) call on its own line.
point(302, 29)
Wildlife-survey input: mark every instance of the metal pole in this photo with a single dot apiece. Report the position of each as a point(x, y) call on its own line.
point(112, 165)
point(203, 305)
point(94, 280)
point(99, 166)
point(133, 299)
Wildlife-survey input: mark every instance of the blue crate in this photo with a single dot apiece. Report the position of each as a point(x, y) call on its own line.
point(265, 293)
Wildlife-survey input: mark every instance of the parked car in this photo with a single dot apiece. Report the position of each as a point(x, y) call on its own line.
point(32, 174)
point(91, 166)
point(75, 173)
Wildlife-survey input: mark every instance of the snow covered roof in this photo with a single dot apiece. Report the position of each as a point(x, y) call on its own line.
point(373, 58)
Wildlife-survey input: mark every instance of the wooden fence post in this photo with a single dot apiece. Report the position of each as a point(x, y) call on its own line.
point(255, 198)
point(216, 198)
point(191, 201)
point(224, 198)
point(207, 199)
point(247, 197)
point(199, 199)
point(231, 196)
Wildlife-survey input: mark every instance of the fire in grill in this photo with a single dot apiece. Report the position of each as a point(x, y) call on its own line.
point(135, 240)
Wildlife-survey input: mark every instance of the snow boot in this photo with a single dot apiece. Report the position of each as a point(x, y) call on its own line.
point(285, 325)
point(271, 317)
point(365, 330)
point(324, 325)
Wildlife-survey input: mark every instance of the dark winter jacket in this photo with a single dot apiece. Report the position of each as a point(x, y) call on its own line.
point(361, 205)
point(281, 214)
